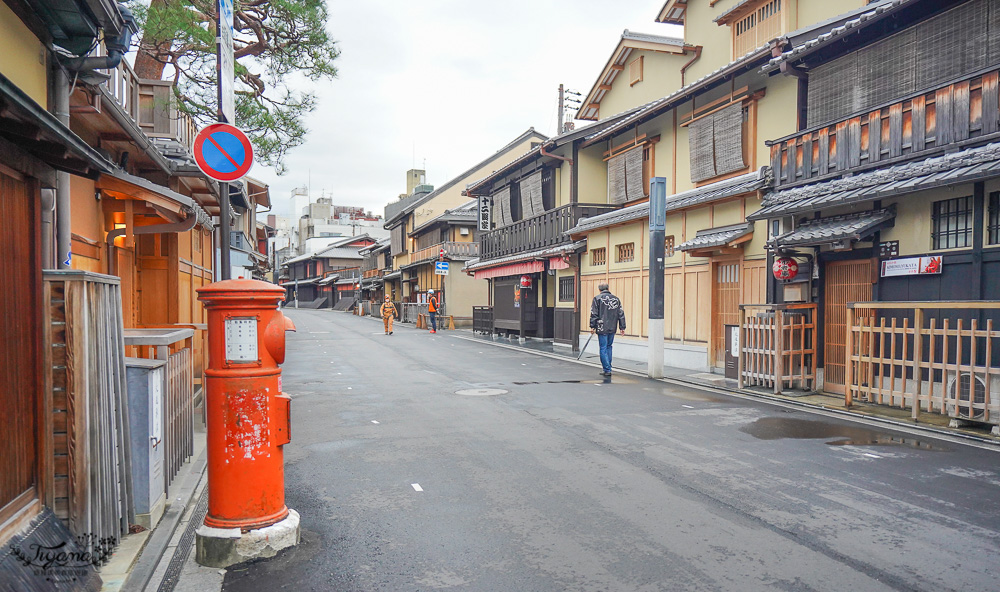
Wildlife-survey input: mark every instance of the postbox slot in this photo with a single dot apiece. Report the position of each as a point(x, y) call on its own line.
point(241, 340)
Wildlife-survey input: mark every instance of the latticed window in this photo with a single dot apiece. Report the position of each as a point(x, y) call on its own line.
point(598, 256)
point(626, 252)
point(668, 247)
point(993, 226)
point(951, 223)
point(567, 289)
point(757, 28)
point(635, 71)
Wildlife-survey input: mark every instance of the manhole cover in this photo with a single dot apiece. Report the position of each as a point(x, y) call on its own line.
point(481, 392)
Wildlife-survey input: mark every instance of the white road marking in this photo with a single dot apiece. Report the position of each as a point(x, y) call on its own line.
point(872, 455)
point(375, 422)
point(349, 388)
point(687, 406)
point(416, 487)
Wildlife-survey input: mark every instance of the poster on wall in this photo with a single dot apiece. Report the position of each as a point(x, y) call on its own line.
point(911, 266)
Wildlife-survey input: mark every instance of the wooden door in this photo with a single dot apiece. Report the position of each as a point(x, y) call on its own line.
point(20, 327)
point(725, 309)
point(846, 281)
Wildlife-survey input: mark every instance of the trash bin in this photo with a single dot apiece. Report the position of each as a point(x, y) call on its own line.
point(146, 380)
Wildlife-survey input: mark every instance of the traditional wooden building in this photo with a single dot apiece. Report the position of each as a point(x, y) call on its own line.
point(418, 210)
point(889, 194)
point(327, 277)
point(707, 139)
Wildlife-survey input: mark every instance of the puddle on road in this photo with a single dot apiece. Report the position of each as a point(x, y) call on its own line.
point(687, 394)
point(779, 428)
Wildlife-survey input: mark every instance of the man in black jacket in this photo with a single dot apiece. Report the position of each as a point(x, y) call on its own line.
point(606, 316)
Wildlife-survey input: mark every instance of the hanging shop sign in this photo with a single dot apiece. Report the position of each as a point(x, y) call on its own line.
point(525, 281)
point(785, 268)
point(484, 213)
point(912, 266)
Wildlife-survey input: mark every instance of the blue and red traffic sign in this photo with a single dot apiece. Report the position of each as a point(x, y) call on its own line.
point(223, 152)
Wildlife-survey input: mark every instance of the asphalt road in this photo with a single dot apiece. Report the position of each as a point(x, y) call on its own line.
point(409, 477)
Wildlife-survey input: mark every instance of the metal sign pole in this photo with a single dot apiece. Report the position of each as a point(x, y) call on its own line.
point(224, 75)
point(657, 230)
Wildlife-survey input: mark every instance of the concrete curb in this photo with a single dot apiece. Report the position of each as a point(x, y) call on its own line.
point(857, 416)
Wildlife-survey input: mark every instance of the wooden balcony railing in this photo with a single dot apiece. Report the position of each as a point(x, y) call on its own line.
point(546, 230)
point(926, 356)
point(919, 127)
point(452, 251)
point(151, 105)
point(372, 273)
point(778, 346)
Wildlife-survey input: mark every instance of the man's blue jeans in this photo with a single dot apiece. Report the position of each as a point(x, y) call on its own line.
point(605, 340)
point(434, 323)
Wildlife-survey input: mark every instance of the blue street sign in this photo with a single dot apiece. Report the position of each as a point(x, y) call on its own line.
point(441, 268)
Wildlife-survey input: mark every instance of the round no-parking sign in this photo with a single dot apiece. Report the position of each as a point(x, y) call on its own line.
point(223, 152)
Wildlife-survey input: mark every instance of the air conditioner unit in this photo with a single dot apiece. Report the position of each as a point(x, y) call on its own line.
point(463, 231)
point(959, 396)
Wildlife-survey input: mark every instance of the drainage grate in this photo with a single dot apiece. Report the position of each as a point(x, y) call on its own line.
point(173, 573)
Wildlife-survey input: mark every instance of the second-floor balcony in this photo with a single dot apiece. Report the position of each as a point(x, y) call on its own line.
point(949, 118)
point(151, 105)
point(453, 251)
point(545, 230)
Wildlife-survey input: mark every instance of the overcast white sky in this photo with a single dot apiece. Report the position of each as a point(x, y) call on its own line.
point(442, 84)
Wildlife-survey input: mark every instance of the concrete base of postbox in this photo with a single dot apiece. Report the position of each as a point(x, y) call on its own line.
point(223, 547)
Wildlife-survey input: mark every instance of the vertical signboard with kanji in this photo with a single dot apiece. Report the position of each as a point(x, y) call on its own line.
point(484, 213)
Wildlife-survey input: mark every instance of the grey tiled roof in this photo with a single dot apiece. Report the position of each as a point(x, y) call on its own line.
point(717, 237)
point(821, 231)
point(752, 181)
point(836, 33)
point(652, 38)
point(967, 166)
point(731, 10)
point(473, 264)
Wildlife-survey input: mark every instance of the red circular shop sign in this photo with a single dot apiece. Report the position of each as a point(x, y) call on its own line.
point(223, 152)
point(785, 268)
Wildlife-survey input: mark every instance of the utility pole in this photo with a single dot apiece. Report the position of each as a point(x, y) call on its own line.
point(657, 246)
point(562, 107)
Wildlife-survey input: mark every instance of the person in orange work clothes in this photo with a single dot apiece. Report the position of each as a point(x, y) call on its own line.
point(432, 310)
point(388, 314)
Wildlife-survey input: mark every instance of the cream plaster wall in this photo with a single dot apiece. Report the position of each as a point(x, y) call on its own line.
point(775, 115)
point(913, 220)
point(23, 57)
point(661, 76)
point(755, 248)
point(463, 291)
point(560, 274)
point(726, 213)
point(593, 175)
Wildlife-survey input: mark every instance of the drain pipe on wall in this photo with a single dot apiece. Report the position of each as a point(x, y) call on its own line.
point(64, 245)
point(697, 54)
point(48, 203)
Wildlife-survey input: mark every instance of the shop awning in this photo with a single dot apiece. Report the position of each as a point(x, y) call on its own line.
point(558, 263)
point(722, 237)
point(839, 231)
point(119, 184)
point(511, 269)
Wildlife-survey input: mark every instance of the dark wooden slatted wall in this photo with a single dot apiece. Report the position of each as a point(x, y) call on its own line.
point(19, 348)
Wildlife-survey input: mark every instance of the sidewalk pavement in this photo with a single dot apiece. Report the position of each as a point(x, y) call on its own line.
point(932, 422)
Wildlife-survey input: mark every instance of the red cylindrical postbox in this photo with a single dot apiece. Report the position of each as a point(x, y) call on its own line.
point(248, 416)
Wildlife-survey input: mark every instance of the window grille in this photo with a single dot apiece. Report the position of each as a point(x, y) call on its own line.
point(635, 71)
point(669, 246)
point(598, 256)
point(757, 28)
point(993, 227)
point(626, 252)
point(951, 223)
point(567, 289)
